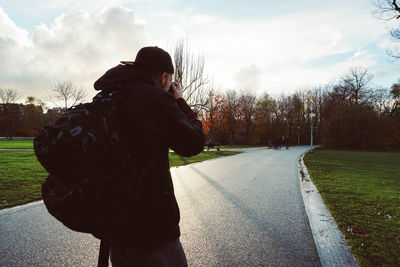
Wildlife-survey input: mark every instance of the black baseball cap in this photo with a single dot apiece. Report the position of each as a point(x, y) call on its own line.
point(153, 57)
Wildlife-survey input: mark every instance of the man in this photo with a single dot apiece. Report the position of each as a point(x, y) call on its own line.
point(151, 119)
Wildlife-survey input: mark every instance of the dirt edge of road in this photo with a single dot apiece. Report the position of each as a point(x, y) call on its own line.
point(332, 247)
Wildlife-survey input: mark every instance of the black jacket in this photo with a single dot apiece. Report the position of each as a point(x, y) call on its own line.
point(151, 121)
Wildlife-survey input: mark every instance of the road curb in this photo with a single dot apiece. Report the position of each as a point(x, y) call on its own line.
point(16, 149)
point(332, 248)
point(20, 207)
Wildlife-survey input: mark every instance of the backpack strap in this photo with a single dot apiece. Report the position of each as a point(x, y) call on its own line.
point(104, 253)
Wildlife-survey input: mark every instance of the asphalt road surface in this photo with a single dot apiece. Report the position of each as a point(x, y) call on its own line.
point(242, 210)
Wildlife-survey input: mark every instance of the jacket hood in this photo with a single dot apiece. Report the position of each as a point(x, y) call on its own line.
point(121, 75)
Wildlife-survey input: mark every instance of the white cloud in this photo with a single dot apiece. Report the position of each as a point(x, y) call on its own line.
point(248, 77)
point(277, 52)
point(78, 47)
point(288, 42)
point(14, 47)
point(363, 57)
point(46, 6)
point(9, 32)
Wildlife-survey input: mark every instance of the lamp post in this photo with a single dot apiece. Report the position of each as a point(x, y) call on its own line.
point(311, 116)
point(298, 135)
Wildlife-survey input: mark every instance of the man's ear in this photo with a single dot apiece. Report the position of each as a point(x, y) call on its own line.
point(163, 77)
point(159, 79)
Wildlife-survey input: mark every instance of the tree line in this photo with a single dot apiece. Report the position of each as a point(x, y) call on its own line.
point(27, 118)
point(349, 113)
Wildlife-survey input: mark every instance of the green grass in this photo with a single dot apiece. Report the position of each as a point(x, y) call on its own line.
point(17, 143)
point(362, 191)
point(21, 175)
point(240, 146)
point(176, 160)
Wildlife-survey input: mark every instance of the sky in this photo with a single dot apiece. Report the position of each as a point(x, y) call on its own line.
point(274, 47)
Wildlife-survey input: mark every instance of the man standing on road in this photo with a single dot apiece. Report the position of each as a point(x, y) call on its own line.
point(152, 118)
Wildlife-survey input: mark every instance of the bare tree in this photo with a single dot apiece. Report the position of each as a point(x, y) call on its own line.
point(189, 73)
point(66, 93)
point(354, 87)
point(231, 114)
point(8, 96)
point(247, 110)
point(381, 100)
point(265, 116)
point(10, 112)
point(395, 90)
point(395, 97)
point(210, 114)
point(389, 10)
point(33, 119)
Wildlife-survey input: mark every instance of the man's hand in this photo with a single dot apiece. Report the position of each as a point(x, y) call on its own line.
point(176, 90)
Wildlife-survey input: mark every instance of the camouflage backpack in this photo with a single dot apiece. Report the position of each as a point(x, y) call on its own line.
point(90, 172)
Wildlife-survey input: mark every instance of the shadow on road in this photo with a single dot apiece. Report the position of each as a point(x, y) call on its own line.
point(277, 235)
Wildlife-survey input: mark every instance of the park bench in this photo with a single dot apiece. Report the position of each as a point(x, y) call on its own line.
point(212, 145)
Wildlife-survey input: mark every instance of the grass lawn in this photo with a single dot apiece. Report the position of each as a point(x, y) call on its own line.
point(240, 146)
point(17, 143)
point(176, 160)
point(362, 191)
point(21, 175)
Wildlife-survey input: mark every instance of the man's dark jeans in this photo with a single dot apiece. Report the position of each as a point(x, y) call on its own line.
point(169, 254)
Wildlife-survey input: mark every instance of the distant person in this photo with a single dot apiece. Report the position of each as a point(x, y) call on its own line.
point(277, 142)
point(286, 141)
point(209, 144)
point(151, 119)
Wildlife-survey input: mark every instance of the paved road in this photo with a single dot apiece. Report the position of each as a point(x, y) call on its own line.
point(242, 210)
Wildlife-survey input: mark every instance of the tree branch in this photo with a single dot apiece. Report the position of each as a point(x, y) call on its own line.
point(396, 7)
